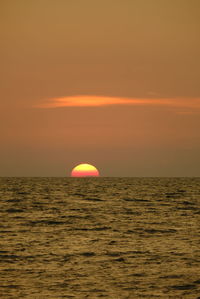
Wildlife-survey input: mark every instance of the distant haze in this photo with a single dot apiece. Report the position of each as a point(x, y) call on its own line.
point(111, 83)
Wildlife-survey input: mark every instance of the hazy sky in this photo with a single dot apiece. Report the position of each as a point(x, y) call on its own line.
point(114, 83)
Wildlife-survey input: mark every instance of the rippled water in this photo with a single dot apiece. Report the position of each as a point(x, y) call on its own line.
point(100, 237)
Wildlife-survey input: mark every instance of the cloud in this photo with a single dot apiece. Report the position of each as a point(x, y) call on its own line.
point(97, 101)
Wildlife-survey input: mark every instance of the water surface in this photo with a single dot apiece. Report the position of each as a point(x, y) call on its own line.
point(99, 237)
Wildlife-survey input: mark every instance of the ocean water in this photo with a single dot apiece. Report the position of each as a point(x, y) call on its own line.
point(99, 238)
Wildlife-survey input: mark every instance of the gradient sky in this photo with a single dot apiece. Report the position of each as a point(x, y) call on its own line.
point(112, 83)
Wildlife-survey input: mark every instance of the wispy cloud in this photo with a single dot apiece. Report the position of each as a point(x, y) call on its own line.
point(96, 101)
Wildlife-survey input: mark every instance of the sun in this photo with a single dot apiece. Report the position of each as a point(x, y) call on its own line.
point(83, 170)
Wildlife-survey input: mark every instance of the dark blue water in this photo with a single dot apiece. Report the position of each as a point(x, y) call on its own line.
point(99, 237)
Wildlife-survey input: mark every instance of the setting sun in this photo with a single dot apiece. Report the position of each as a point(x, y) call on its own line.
point(83, 170)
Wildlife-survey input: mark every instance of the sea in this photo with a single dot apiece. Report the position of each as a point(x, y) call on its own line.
point(99, 238)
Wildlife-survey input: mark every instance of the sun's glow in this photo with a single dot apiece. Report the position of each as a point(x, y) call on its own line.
point(83, 170)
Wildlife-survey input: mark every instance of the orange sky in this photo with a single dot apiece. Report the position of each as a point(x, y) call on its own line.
point(121, 79)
